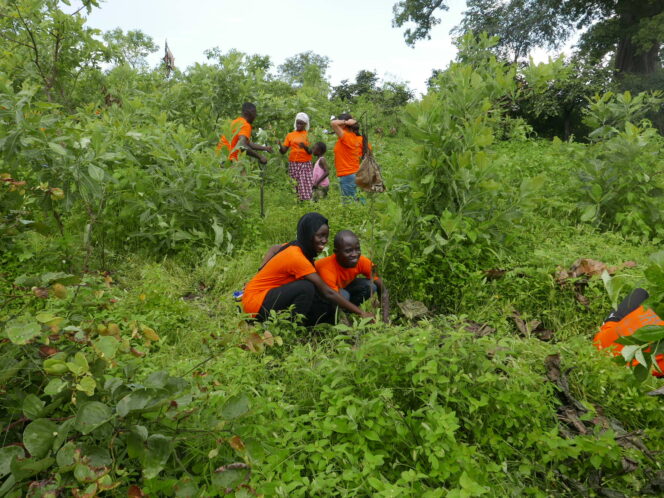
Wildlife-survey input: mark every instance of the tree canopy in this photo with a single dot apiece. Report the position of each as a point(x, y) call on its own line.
point(631, 30)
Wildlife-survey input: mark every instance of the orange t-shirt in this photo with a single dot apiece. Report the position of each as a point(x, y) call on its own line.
point(347, 153)
point(610, 331)
point(285, 267)
point(240, 127)
point(297, 155)
point(338, 277)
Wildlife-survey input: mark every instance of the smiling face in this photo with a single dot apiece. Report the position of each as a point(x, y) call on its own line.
point(320, 238)
point(300, 125)
point(347, 249)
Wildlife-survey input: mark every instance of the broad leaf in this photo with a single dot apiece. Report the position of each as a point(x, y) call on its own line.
point(92, 415)
point(156, 455)
point(235, 407)
point(22, 330)
point(7, 454)
point(38, 437)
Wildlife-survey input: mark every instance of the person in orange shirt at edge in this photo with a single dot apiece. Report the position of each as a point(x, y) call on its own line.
point(340, 270)
point(624, 321)
point(288, 277)
point(241, 140)
point(349, 150)
point(300, 167)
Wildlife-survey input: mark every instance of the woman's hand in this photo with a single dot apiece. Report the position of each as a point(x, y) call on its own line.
point(350, 122)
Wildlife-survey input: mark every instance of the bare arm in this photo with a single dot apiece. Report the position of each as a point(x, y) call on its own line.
point(335, 297)
point(338, 123)
point(283, 148)
point(250, 149)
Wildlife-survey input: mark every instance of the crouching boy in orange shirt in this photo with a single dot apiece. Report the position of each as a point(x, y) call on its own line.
point(340, 271)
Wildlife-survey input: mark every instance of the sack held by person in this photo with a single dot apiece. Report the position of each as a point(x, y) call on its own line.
point(368, 177)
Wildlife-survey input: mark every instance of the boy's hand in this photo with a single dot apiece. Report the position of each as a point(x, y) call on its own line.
point(268, 148)
point(262, 160)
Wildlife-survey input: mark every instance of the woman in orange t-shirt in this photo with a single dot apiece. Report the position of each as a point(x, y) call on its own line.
point(300, 167)
point(288, 278)
point(348, 152)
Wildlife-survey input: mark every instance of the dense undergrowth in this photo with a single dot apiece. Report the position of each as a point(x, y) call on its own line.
point(127, 368)
point(424, 408)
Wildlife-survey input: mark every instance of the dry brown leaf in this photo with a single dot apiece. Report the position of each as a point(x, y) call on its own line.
point(479, 329)
point(413, 309)
point(236, 443)
point(495, 273)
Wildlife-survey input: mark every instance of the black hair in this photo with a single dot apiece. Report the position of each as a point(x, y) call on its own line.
point(321, 146)
point(356, 129)
point(248, 107)
point(341, 235)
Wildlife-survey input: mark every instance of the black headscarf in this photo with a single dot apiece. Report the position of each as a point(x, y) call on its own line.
point(307, 227)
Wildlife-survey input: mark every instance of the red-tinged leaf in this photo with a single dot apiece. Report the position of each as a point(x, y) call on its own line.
point(236, 443)
point(268, 338)
point(135, 492)
point(46, 351)
point(40, 292)
point(136, 353)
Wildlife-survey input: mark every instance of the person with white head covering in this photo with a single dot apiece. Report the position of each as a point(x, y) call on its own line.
point(300, 167)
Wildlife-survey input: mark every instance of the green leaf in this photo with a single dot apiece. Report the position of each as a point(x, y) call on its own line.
point(79, 366)
point(7, 454)
point(87, 385)
point(22, 330)
point(650, 333)
point(135, 441)
point(229, 476)
point(63, 433)
point(95, 172)
point(38, 437)
point(55, 387)
point(185, 488)
point(156, 455)
point(92, 415)
point(470, 486)
point(57, 148)
point(641, 373)
point(628, 352)
point(33, 406)
point(107, 346)
point(22, 469)
point(65, 457)
point(589, 213)
point(235, 407)
point(136, 400)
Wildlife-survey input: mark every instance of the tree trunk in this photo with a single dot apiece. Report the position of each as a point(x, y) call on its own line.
point(630, 57)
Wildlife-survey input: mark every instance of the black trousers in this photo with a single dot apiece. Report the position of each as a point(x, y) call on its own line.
point(305, 299)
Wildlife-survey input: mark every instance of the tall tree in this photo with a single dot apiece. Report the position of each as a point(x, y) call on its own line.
point(131, 47)
point(633, 30)
point(42, 42)
point(294, 69)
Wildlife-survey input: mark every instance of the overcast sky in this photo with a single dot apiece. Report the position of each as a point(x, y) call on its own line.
point(354, 34)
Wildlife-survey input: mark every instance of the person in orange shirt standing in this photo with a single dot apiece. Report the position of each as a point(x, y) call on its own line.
point(351, 146)
point(341, 269)
point(241, 140)
point(288, 278)
point(300, 168)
